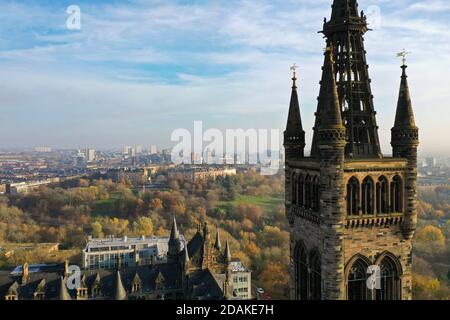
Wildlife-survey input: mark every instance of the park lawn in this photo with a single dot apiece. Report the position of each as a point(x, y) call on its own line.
point(267, 203)
point(106, 206)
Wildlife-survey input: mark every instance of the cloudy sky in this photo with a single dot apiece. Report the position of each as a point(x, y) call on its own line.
point(138, 69)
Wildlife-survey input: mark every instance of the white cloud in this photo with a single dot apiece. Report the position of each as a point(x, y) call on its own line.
point(95, 85)
point(430, 5)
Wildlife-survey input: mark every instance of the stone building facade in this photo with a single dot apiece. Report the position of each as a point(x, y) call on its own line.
point(352, 211)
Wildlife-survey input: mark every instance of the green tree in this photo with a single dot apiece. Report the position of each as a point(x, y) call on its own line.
point(143, 226)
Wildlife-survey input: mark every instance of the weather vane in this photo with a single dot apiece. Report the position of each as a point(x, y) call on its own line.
point(403, 54)
point(294, 70)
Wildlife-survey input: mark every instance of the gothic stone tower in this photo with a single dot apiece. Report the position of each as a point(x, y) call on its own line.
point(349, 207)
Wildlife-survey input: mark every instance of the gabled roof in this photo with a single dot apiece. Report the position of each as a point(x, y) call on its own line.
point(206, 286)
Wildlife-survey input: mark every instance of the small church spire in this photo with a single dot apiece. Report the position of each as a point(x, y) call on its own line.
point(63, 292)
point(217, 243)
point(174, 231)
point(227, 252)
point(174, 242)
point(119, 292)
point(186, 260)
point(294, 135)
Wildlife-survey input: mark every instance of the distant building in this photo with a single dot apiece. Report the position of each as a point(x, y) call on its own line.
point(135, 176)
point(241, 280)
point(104, 253)
point(90, 155)
point(208, 157)
point(126, 150)
point(138, 149)
point(430, 162)
point(201, 172)
point(25, 187)
point(153, 149)
point(43, 149)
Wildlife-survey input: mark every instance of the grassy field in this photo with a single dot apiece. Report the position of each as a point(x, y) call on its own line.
point(105, 207)
point(268, 204)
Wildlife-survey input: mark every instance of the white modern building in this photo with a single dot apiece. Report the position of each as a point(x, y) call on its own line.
point(106, 253)
point(242, 280)
point(90, 155)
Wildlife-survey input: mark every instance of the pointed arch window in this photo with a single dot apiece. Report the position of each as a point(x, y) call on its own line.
point(382, 195)
point(301, 187)
point(353, 196)
point(315, 194)
point(315, 276)
point(390, 280)
point(294, 189)
point(95, 290)
point(357, 281)
point(136, 287)
point(367, 196)
point(307, 197)
point(397, 194)
point(301, 272)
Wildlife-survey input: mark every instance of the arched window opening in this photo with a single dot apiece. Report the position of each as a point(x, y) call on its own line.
point(316, 196)
point(397, 194)
point(390, 280)
point(382, 195)
point(357, 281)
point(301, 187)
point(315, 276)
point(294, 189)
point(353, 197)
point(301, 272)
point(367, 196)
point(308, 192)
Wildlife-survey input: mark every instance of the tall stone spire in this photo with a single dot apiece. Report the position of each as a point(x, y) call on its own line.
point(119, 291)
point(343, 9)
point(294, 135)
point(331, 141)
point(404, 117)
point(344, 33)
point(331, 114)
point(404, 141)
point(329, 128)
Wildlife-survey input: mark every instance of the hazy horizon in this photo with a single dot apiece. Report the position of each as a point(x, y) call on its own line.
point(138, 70)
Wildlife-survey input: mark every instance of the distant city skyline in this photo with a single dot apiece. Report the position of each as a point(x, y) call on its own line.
point(138, 70)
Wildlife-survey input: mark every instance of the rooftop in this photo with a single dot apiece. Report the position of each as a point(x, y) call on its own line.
point(124, 241)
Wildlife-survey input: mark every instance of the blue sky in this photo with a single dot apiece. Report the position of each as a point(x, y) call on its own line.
point(139, 69)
